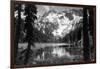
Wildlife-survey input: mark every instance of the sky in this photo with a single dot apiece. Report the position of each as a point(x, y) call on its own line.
point(45, 8)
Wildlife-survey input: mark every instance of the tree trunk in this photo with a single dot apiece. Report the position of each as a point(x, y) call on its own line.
point(18, 29)
point(27, 54)
point(86, 51)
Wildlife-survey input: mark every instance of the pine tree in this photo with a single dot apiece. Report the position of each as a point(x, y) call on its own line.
point(30, 11)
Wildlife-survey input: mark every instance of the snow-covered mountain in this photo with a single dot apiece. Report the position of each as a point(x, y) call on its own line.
point(60, 23)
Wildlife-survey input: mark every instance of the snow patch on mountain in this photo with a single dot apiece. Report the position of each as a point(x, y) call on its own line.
point(65, 21)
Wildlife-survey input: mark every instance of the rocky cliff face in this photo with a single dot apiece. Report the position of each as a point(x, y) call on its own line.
point(58, 24)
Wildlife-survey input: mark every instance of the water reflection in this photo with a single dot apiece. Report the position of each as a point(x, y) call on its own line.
point(50, 52)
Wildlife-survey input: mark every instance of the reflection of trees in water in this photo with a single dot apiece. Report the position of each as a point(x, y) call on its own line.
point(50, 54)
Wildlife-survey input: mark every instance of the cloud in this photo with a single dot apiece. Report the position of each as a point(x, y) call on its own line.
point(47, 8)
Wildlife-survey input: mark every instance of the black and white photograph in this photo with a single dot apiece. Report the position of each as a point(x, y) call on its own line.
point(52, 34)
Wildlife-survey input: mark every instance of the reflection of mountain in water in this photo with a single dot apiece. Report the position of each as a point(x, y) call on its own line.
point(50, 52)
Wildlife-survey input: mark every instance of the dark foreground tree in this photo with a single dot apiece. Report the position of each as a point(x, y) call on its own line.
point(30, 11)
point(86, 49)
point(17, 24)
